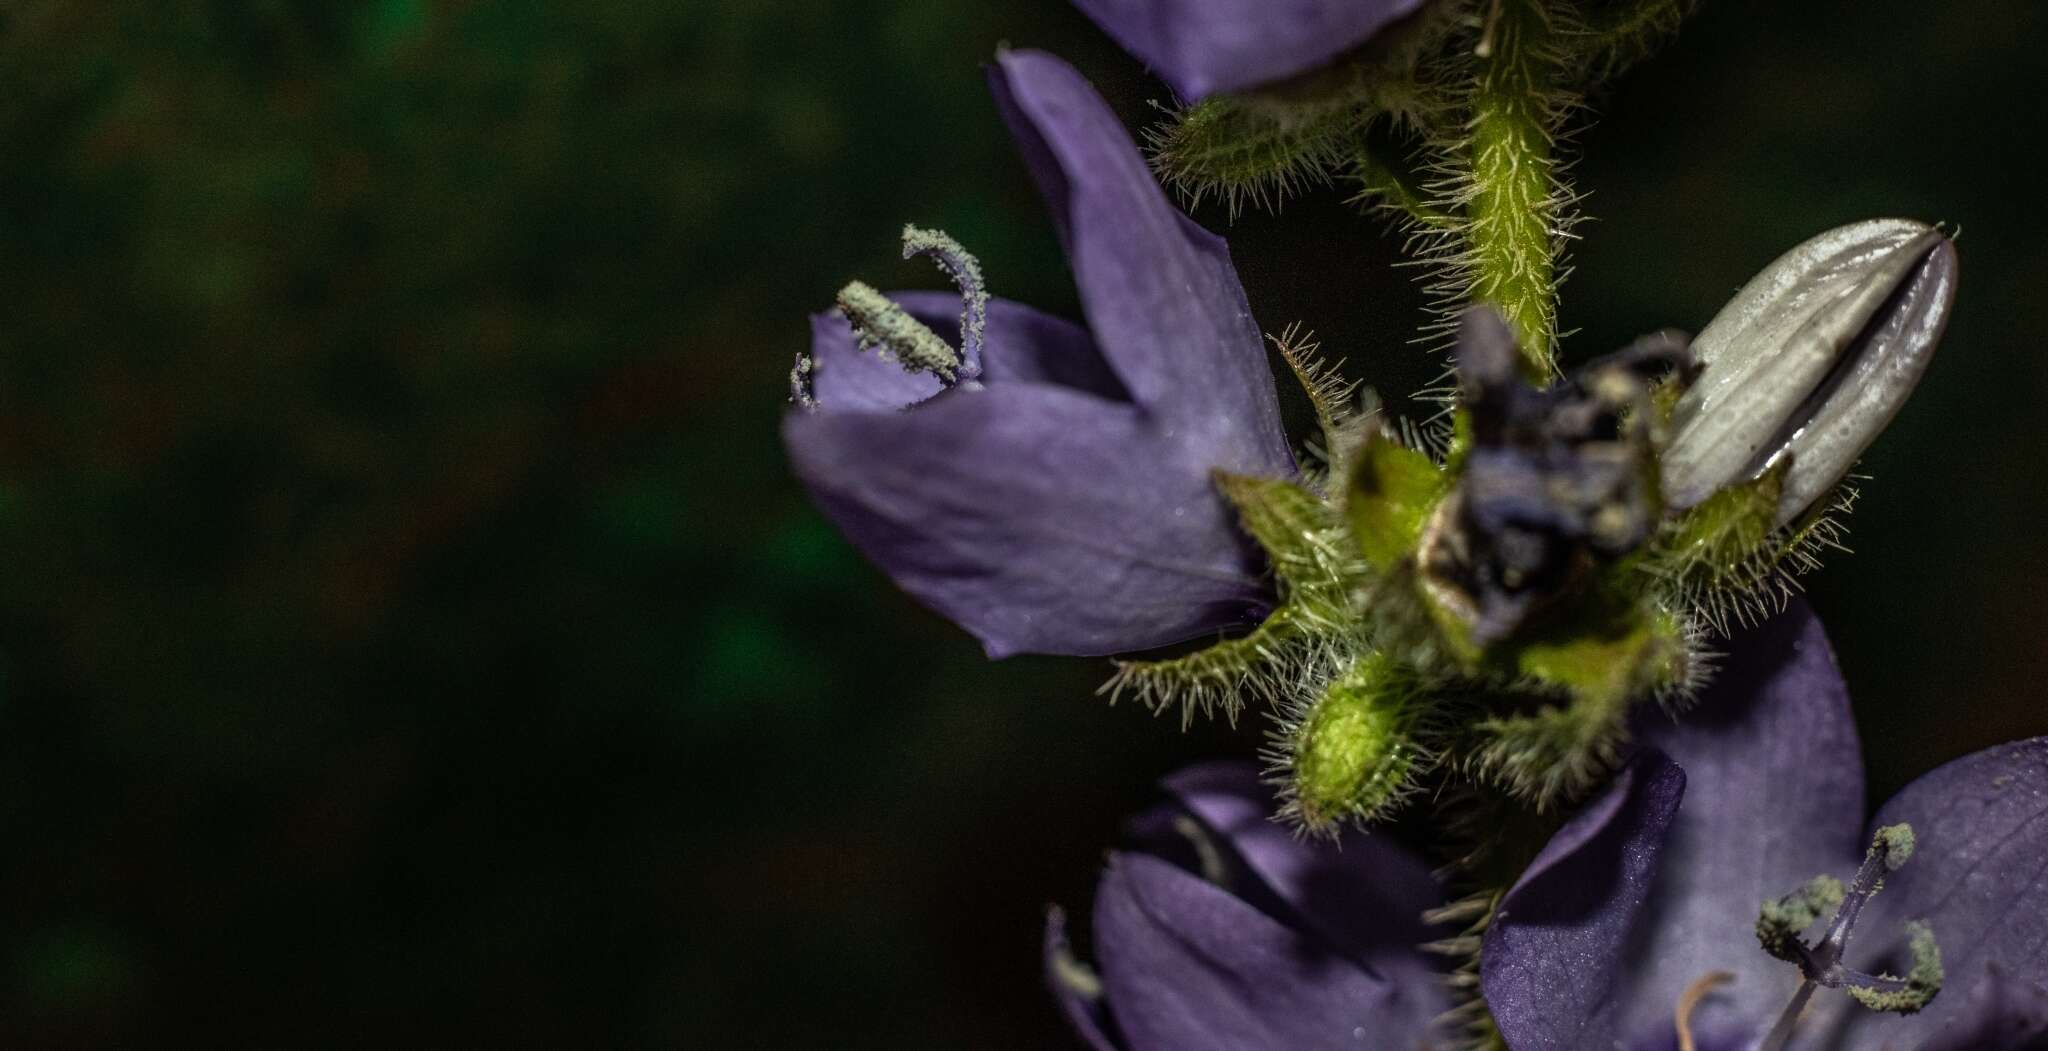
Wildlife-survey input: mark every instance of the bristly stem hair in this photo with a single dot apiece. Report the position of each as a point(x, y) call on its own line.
point(1515, 205)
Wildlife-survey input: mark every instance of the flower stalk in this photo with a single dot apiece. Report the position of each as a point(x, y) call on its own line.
point(1514, 213)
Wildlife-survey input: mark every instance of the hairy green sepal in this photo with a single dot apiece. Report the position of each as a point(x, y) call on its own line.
point(1729, 561)
point(1303, 538)
point(1600, 654)
point(1304, 541)
point(1260, 146)
point(1243, 152)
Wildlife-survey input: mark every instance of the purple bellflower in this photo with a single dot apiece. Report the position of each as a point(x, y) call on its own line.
point(1202, 47)
point(1048, 487)
point(1223, 930)
point(1638, 926)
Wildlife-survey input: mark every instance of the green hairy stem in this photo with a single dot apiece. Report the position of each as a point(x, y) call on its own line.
point(1513, 216)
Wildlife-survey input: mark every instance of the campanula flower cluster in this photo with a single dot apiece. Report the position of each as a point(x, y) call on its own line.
point(1562, 612)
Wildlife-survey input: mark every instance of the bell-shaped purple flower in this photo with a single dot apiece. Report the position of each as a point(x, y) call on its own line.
point(1054, 494)
point(1641, 917)
point(1223, 931)
point(1201, 47)
point(1635, 929)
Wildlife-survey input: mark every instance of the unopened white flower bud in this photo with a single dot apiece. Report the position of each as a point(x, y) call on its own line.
point(1810, 360)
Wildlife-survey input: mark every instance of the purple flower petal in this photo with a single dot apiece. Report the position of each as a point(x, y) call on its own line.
point(1200, 47)
point(1028, 346)
point(1774, 797)
point(1039, 518)
point(1365, 894)
point(1064, 503)
point(1188, 967)
point(1774, 793)
point(1160, 294)
point(2002, 1013)
point(1554, 961)
point(1979, 876)
point(1084, 1009)
point(1172, 833)
point(1769, 757)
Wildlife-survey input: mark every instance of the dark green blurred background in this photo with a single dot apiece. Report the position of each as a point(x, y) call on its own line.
point(410, 632)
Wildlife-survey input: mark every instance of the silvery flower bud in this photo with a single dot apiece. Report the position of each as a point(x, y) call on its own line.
point(1810, 360)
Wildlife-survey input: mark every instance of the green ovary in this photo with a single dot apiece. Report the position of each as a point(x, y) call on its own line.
point(1355, 753)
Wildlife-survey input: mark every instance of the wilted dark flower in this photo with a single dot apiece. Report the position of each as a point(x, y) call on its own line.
point(1640, 920)
point(1223, 930)
point(1555, 477)
point(1201, 47)
point(1054, 494)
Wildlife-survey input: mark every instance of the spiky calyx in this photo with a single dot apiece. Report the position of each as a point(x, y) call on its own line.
point(1261, 146)
point(1314, 568)
point(1339, 419)
point(1366, 689)
point(1243, 153)
point(1452, 124)
point(1729, 562)
point(1611, 36)
point(1306, 543)
point(1355, 667)
point(1260, 665)
point(1597, 660)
